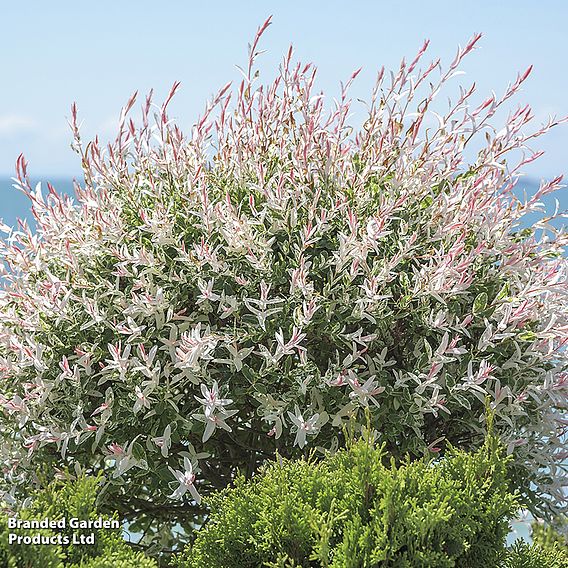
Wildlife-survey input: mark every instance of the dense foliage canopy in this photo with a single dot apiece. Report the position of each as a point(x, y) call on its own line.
point(66, 499)
point(353, 511)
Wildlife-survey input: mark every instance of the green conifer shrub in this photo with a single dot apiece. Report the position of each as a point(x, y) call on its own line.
point(548, 550)
point(548, 534)
point(524, 555)
point(356, 510)
point(67, 499)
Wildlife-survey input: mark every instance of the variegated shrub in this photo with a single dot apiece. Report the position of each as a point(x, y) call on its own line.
point(278, 274)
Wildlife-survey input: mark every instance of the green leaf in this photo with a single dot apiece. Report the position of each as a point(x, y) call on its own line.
point(480, 303)
point(138, 451)
point(527, 336)
point(504, 292)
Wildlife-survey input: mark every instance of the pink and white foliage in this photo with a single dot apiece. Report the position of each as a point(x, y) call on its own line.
point(278, 258)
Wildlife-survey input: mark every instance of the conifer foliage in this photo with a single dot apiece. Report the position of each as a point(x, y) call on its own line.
point(354, 511)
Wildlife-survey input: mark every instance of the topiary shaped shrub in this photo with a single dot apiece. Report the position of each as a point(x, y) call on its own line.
point(66, 500)
point(354, 510)
point(208, 300)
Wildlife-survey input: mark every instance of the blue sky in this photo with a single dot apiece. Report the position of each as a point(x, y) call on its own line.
point(98, 53)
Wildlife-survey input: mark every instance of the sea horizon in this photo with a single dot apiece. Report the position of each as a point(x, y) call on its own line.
point(15, 205)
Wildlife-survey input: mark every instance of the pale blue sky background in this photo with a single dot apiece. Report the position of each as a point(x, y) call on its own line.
point(54, 53)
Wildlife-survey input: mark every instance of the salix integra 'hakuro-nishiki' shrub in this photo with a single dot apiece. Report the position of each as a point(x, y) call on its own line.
point(209, 299)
